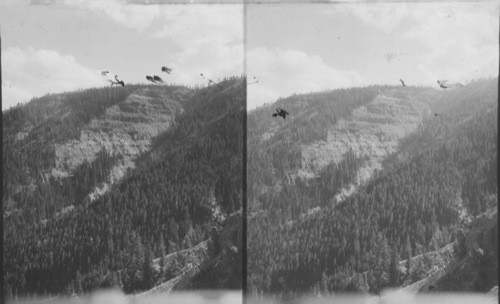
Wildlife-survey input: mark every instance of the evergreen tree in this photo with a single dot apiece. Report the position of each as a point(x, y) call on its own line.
point(393, 269)
point(147, 269)
point(162, 257)
point(408, 256)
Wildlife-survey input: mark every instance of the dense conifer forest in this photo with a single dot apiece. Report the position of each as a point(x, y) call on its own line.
point(301, 240)
point(56, 240)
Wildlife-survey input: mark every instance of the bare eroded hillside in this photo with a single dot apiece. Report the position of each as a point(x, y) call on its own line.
point(373, 131)
point(126, 129)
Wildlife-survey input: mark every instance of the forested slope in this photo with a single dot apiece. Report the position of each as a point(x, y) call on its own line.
point(186, 179)
point(443, 172)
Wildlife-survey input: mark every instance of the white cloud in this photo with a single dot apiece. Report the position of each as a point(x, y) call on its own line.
point(200, 38)
point(462, 39)
point(12, 95)
point(384, 16)
point(284, 72)
point(209, 39)
point(133, 16)
point(205, 38)
point(455, 40)
point(32, 73)
point(202, 22)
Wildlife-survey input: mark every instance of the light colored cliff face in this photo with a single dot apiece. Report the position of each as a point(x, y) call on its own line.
point(126, 129)
point(373, 131)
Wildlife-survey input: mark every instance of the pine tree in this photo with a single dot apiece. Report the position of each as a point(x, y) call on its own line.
point(393, 269)
point(133, 276)
point(79, 281)
point(147, 270)
point(162, 256)
point(408, 255)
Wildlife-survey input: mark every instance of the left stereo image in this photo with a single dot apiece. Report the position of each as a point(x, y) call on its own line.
point(123, 146)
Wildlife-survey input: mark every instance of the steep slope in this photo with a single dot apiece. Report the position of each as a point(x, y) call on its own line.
point(468, 264)
point(477, 268)
point(168, 167)
point(125, 129)
point(324, 128)
point(437, 172)
point(372, 130)
point(212, 264)
point(57, 136)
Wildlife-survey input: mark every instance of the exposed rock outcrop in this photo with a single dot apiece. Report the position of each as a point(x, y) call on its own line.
point(373, 130)
point(126, 129)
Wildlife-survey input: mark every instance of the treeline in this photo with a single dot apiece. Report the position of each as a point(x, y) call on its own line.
point(415, 205)
point(167, 203)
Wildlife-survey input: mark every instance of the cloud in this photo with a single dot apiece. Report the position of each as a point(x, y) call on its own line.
point(204, 38)
point(31, 73)
point(132, 16)
point(194, 39)
point(185, 22)
point(284, 72)
point(12, 95)
point(441, 40)
point(384, 16)
point(461, 38)
point(209, 39)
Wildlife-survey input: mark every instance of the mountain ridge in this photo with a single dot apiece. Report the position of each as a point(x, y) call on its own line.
point(164, 198)
point(415, 203)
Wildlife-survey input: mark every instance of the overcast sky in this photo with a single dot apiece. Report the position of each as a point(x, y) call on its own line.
point(297, 48)
point(65, 46)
